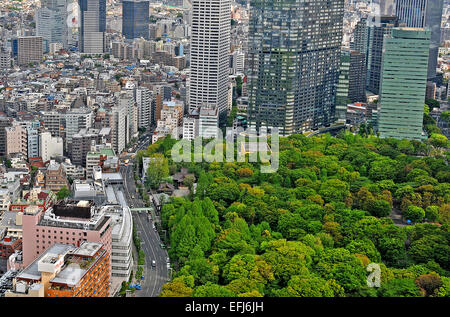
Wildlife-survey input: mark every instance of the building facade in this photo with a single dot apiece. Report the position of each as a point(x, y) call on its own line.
point(135, 19)
point(92, 26)
point(294, 64)
point(424, 14)
point(403, 84)
point(210, 49)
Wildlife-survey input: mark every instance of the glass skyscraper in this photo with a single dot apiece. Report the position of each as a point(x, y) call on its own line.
point(92, 26)
point(403, 83)
point(424, 14)
point(135, 19)
point(51, 21)
point(294, 57)
point(378, 27)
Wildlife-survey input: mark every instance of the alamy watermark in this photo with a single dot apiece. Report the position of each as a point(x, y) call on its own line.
point(74, 15)
point(246, 142)
point(374, 278)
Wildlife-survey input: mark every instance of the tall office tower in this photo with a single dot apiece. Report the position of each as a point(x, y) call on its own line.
point(352, 82)
point(144, 100)
point(29, 50)
point(51, 21)
point(378, 28)
point(403, 84)
point(92, 26)
point(294, 55)
point(135, 19)
point(357, 77)
point(360, 41)
point(210, 48)
point(424, 14)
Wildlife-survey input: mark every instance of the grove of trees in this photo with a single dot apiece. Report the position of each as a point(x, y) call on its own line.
point(311, 228)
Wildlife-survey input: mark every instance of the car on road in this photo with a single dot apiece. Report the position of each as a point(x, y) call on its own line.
point(154, 263)
point(162, 246)
point(167, 260)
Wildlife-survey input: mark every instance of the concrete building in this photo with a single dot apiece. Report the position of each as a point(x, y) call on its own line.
point(208, 122)
point(64, 270)
point(119, 123)
point(145, 103)
point(76, 120)
point(50, 146)
point(52, 121)
point(4, 122)
point(403, 85)
point(190, 128)
point(69, 223)
point(97, 158)
point(5, 58)
point(33, 139)
point(210, 49)
point(84, 140)
point(16, 140)
point(29, 50)
point(55, 177)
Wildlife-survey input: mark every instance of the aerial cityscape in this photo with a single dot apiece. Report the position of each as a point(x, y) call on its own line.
point(224, 148)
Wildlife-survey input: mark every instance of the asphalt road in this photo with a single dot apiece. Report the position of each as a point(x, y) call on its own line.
point(155, 277)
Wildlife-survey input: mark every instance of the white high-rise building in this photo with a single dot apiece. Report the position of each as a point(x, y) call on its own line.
point(51, 21)
point(144, 99)
point(126, 99)
point(210, 49)
point(50, 146)
point(119, 127)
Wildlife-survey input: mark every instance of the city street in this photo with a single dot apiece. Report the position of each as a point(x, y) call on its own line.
point(156, 276)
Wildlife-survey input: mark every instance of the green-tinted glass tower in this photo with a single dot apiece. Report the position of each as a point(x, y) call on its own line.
point(294, 57)
point(403, 83)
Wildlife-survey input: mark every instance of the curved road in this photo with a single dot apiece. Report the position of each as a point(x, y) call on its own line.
point(156, 276)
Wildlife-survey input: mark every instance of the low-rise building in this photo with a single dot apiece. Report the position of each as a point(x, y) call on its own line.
point(66, 271)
